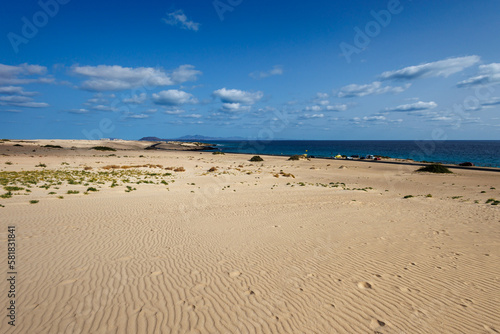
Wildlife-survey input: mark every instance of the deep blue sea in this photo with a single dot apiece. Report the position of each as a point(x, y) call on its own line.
point(481, 153)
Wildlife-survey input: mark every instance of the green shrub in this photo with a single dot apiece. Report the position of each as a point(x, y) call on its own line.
point(408, 196)
point(6, 195)
point(218, 152)
point(294, 157)
point(434, 168)
point(13, 188)
point(52, 146)
point(73, 192)
point(102, 148)
point(91, 189)
point(256, 158)
point(41, 165)
point(34, 201)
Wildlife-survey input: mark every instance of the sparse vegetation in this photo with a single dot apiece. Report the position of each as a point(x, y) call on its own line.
point(102, 148)
point(218, 152)
point(256, 158)
point(91, 189)
point(41, 165)
point(408, 196)
point(52, 146)
point(8, 163)
point(179, 169)
point(428, 195)
point(34, 201)
point(492, 201)
point(70, 192)
point(13, 188)
point(294, 157)
point(435, 168)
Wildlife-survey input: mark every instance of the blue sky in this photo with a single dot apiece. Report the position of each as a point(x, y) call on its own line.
point(255, 69)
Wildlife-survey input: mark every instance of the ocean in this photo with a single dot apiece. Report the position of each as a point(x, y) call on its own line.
point(480, 152)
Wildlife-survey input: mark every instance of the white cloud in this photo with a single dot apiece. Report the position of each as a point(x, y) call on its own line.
point(21, 101)
point(79, 111)
point(313, 108)
point(491, 102)
point(373, 88)
point(173, 111)
point(417, 106)
point(185, 73)
point(14, 90)
point(101, 107)
point(237, 96)
point(16, 75)
point(136, 99)
point(309, 116)
point(276, 70)
point(234, 107)
point(441, 68)
point(173, 97)
point(488, 74)
point(115, 77)
point(137, 116)
point(178, 18)
point(192, 116)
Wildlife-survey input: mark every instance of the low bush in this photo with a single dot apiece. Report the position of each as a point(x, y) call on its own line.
point(435, 168)
point(102, 148)
point(256, 158)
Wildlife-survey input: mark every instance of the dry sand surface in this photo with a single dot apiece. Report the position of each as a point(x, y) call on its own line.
point(330, 249)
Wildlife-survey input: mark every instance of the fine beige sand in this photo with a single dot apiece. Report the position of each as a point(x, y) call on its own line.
point(335, 248)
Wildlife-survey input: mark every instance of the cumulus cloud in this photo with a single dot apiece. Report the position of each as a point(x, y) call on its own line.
point(115, 77)
point(441, 68)
point(173, 97)
point(237, 96)
point(79, 111)
point(21, 101)
point(185, 73)
point(309, 116)
point(417, 106)
point(15, 90)
point(173, 111)
point(101, 107)
point(178, 18)
point(374, 88)
point(23, 74)
point(192, 116)
point(276, 70)
point(491, 102)
point(135, 99)
point(488, 74)
point(234, 107)
point(137, 116)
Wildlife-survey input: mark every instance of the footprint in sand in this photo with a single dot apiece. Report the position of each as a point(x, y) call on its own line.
point(364, 285)
point(374, 324)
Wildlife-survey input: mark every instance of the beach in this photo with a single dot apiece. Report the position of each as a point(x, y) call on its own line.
point(172, 241)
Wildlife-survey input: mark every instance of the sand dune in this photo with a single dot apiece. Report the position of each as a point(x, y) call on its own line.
point(239, 250)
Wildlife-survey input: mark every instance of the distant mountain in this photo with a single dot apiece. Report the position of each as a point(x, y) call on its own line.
point(192, 138)
point(152, 139)
point(200, 137)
